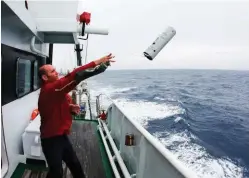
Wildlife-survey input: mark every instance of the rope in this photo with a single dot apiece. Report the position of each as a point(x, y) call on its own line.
point(86, 50)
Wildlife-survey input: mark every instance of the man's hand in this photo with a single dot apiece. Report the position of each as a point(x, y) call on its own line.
point(74, 108)
point(105, 59)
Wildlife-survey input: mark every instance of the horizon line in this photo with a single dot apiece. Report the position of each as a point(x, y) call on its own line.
point(184, 69)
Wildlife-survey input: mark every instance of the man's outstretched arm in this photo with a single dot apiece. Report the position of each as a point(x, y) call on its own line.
point(84, 74)
point(69, 82)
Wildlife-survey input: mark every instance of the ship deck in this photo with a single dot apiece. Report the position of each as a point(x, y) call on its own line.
point(89, 148)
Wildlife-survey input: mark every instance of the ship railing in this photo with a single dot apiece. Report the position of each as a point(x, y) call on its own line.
point(138, 153)
point(106, 137)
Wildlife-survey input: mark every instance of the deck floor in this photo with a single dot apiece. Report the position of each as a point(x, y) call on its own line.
point(41, 173)
point(28, 173)
point(86, 143)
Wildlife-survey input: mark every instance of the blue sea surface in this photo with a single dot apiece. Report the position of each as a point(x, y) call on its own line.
point(201, 116)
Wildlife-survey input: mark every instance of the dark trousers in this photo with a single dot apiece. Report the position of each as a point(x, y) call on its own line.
point(59, 148)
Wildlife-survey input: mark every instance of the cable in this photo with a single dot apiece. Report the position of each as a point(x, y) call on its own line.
point(86, 49)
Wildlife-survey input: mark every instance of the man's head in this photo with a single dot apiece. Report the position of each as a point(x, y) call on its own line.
point(47, 73)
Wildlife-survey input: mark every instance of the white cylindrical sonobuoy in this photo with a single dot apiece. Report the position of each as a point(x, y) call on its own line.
point(159, 43)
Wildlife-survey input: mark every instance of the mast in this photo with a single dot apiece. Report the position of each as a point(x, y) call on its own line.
point(78, 50)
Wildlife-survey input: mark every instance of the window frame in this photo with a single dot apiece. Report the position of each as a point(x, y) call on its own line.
point(17, 74)
point(35, 82)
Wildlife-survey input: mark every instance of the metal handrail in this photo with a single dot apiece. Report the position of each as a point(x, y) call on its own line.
point(98, 102)
point(156, 144)
point(80, 92)
point(112, 143)
point(33, 49)
point(89, 104)
point(117, 153)
point(97, 105)
point(111, 159)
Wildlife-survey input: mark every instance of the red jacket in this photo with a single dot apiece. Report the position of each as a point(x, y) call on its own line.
point(53, 104)
point(69, 99)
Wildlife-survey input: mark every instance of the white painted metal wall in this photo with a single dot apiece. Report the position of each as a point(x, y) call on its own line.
point(148, 157)
point(18, 31)
point(4, 158)
point(16, 116)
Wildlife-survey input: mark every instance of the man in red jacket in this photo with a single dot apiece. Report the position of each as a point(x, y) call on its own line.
point(56, 119)
point(74, 108)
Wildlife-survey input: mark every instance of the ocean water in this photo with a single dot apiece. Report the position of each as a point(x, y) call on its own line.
point(201, 116)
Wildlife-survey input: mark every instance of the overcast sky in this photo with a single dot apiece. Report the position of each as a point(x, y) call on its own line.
point(209, 34)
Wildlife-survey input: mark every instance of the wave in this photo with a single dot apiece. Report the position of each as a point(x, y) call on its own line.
point(143, 111)
point(110, 90)
point(197, 158)
point(179, 140)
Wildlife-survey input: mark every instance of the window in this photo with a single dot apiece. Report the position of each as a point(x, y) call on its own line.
point(18, 70)
point(35, 76)
point(23, 77)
